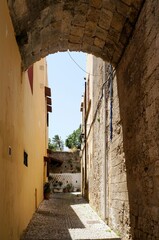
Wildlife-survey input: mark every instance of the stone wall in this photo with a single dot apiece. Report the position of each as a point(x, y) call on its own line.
point(96, 175)
point(107, 176)
point(117, 199)
point(65, 162)
point(138, 85)
point(132, 199)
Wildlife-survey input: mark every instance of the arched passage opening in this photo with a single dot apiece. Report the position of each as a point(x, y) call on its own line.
point(99, 27)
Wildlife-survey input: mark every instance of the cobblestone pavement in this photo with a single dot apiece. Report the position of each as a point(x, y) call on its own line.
point(67, 216)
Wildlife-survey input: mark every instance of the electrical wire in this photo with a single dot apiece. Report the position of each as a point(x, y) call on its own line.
point(80, 66)
point(111, 75)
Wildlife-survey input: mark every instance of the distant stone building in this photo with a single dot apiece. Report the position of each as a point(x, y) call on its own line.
point(65, 170)
point(64, 162)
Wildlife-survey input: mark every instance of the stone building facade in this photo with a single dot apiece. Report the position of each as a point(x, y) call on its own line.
point(64, 170)
point(64, 162)
point(138, 85)
point(103, 160)
point(120, 146)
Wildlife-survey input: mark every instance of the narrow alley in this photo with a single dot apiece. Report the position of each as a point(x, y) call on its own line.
point(118, 165)
point(67, 216)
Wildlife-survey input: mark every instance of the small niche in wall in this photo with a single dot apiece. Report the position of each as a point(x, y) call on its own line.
point(10, 151)
point(25, 159)
point(47, 119)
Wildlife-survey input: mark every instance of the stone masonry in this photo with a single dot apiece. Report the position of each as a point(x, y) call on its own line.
point(132, 204)
point(65, 162)
point(108, 192)
point(138, 88)
point(97, 26)
point(117, 200)
point(96, 179)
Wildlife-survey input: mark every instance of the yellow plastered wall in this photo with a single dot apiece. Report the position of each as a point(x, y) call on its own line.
point(22, 128)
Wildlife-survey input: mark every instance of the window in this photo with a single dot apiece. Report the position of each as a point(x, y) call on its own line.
point(10, 151)
point(47, 120)
point(25, 159)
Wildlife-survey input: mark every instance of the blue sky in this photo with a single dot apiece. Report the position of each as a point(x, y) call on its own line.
point(66, 80)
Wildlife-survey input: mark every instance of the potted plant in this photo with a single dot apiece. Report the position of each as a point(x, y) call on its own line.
point(59, 187)
point(47, 190)
point(60, 184)
point(69, 187)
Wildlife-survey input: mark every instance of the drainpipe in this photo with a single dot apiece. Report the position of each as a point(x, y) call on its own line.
point(105, 143)
point(111, 103)
point(104, 120)
point(85, 130)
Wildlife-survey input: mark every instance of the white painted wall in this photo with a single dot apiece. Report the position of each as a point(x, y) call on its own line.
point(67, 178)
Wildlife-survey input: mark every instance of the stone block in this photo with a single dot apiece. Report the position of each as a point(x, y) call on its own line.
point(90, 28)
point(75, 39)
point(100, 33)
point(96, 3)
point(88, 40)
point(77, 31)
point(79, 20)
point(105, 19)
point(93, 15)
point(99, 43)
point(118, 22)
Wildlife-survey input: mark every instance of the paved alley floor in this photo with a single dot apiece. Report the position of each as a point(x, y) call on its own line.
point(67, 216)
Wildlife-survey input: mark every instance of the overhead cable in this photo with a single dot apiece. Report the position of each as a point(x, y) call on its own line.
point(80, 66)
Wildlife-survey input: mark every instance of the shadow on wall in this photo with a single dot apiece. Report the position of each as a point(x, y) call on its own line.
point(138, 89)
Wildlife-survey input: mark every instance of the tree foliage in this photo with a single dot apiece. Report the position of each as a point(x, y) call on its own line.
point(74, 139)
point(56, 144)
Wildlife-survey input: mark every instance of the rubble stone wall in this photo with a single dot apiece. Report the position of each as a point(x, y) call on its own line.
point(138, 85)
point(108, 183)
point(96, 181)
point(117, 199)
point(65, 162)
point(132, 201)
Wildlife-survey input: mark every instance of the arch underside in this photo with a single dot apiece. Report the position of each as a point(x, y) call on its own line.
point(99, 27)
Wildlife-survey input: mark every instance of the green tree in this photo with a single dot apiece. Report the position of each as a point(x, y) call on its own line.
point(51, 146)
point(56, 144)
point(74, 139)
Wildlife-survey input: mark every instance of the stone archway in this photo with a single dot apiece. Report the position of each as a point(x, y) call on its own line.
point(100, 27)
